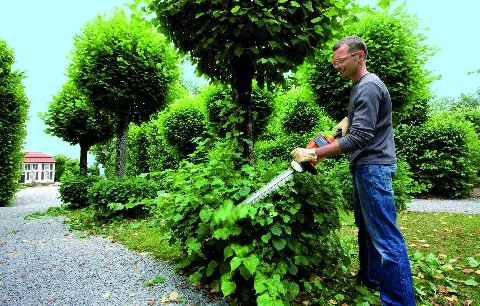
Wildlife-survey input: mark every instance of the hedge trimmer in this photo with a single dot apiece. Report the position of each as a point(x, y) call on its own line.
point(295, 167)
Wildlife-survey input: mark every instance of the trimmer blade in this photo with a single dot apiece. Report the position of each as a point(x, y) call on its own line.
point(276, 182)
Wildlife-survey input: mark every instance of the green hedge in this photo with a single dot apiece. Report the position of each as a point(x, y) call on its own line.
point(13, 117)
point(264, 251)
point(121, 196)
point(74, 190)
point(222, 114)
point(444, 154)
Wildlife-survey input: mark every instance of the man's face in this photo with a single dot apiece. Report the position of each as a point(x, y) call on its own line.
point(345, 62)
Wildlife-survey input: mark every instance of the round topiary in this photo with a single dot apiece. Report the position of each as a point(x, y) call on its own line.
point(302, 117)
point(444, 155)
point(182, 126)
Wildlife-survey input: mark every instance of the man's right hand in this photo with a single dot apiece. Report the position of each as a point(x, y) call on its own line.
point(342, 125)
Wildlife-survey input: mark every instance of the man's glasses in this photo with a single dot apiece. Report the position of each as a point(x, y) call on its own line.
point(340, 60)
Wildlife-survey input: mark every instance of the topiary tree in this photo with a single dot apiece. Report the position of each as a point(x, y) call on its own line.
point(395, 53)
point(237, 41)
point(125, 67)
point(13, 116)
point(183, 122)
point(444, 154)
point(72, 118)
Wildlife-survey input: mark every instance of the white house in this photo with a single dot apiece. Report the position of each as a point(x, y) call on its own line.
point(38, 167)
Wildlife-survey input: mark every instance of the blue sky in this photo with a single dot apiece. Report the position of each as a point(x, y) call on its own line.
point(41, 34)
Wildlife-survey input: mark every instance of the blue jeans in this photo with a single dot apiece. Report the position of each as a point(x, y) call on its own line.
point(383, 256)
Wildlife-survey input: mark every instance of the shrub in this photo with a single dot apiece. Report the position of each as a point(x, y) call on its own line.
point(279, 149)
point(264, 251)
point(73, 190)
point(121, 196)
point(444, 154)
point(471, 115)
point(182, 123)
point(67, 165)
point(297, 112)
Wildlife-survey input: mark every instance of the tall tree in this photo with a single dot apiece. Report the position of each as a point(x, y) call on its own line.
point(123, 66)
point(237, 41)
point(13, 116)
point(72, 118)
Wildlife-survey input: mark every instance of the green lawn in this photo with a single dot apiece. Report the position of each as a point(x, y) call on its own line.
point(445, 252)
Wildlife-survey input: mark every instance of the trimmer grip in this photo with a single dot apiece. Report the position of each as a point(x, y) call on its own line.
point(317, 142)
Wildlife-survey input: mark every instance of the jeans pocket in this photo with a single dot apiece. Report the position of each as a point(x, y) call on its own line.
point(387, 172)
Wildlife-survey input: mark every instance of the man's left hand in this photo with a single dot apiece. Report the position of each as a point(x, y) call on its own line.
point(302, 155)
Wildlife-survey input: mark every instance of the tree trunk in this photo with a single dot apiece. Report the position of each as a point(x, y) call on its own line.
point(121, 149)
point(84, 159)
point(242, 76)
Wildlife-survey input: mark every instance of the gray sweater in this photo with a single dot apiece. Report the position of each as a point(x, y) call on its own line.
point(370, 135)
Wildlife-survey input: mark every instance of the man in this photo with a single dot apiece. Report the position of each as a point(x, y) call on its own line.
point(368, 141)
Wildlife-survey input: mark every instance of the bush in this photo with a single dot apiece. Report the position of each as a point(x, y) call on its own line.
point(183, 122)
point(121, 196)
point(263, 251)
point(73, 190)
point(444, 154)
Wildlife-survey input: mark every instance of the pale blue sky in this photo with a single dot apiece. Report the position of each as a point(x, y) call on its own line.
point(41, 34)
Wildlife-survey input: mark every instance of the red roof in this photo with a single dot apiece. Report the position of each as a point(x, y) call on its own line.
point(38, 157)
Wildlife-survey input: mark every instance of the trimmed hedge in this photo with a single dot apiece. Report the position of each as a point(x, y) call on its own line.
point(264, 251)
point(121, 196)
point(74, 190)
point(444, 154)
point(13, 116)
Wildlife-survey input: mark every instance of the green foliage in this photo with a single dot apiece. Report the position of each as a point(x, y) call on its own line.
point(74, 190)
point(137, 153)
point(13, 116)
point(105, 156)
point(71, 118)
point(463, 102)
point(444, 154)
point(274, 36)
point(264, 251)
point(183, 122)
point(236, 42)
point(123, 66)
point(471, 115)
point(279, 148)
point(65, 165)
point(287, 129)
point(223, 115)
point(396, 53)
point(126, 196)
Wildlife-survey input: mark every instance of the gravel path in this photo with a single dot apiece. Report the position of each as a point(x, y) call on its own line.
point(43, 263)
point(466, 206)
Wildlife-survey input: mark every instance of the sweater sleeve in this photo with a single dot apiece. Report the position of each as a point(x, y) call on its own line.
point(362, 116)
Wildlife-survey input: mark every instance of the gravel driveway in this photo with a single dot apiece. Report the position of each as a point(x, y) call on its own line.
point(43, 263)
